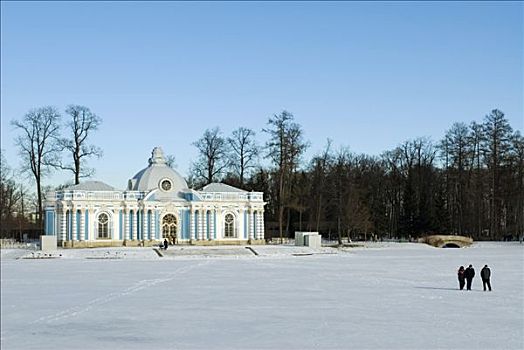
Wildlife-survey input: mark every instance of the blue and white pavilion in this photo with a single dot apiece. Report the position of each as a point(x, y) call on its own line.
point(157, 204)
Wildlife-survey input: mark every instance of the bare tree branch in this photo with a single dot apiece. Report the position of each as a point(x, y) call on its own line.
point(38, 145)
point(243, 152)
point(212, 159)
point(83, 122)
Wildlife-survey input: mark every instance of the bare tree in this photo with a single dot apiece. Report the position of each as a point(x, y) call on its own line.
point(497, 133)
point(340, 187)
point(82, 123)
point(518, 171)
point(285, 146)
point(476, 139)
point(244, 152)
point(455, 150)
point(212, 159)
point(38, 145)
point(319, 167)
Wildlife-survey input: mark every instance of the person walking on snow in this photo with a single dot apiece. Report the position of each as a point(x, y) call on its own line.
point(165, 244)
point(461, 278)
point(485, 274)
point(469, 274)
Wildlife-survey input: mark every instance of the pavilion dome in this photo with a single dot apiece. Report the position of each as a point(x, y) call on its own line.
point(158, 175)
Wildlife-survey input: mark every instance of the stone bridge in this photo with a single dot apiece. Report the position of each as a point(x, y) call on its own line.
point(447, 241)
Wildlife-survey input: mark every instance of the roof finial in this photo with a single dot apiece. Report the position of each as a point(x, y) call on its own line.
point(157, 156)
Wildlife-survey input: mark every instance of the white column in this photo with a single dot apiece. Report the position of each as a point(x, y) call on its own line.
point(126, 224)
point(219, 224)
point(153, 224)
point(254, 217)
point(199, 225)
point(63, 224)
point(144, 224)
point(90, 223)
point(158, 225)
point(250, 223)
point(260, 224)
point(82, 225)
point(192, 224)
point(205, 224)
point(73, 225)
point(119, 223)
point(212, 224)
point(133, 228)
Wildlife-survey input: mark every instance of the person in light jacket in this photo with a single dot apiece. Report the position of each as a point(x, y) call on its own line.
point(485, 274)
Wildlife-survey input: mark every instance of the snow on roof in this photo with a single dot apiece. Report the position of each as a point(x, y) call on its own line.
point(91, 186)
point(220, 187)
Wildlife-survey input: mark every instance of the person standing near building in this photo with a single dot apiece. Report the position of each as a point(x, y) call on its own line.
point(469, 274)
point(485, 274)
point(461, 278)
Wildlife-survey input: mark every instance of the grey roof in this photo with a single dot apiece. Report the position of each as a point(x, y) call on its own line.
point(157, 195)
point(148, 178)
point(91, 186)
point(220, 187)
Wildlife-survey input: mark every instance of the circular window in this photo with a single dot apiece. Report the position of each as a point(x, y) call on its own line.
point(166, 185)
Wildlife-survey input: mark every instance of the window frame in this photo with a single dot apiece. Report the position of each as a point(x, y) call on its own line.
point(107, 226)
point(169, 226)
point(230, 227)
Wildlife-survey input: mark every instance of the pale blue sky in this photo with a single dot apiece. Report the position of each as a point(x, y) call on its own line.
point(368, 75)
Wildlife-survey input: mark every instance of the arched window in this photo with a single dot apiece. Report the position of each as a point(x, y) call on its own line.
point(229, 226)
point(169, 225)
point(103, 225)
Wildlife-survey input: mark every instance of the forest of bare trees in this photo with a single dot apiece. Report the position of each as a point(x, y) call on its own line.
point(469, 183)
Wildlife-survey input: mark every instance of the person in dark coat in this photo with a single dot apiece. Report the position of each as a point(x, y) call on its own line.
point(461, 278)
point(165, 244)
point(485, 274)
point(469, 274)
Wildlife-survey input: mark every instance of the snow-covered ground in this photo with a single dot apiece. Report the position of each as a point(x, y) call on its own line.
point(383, 296)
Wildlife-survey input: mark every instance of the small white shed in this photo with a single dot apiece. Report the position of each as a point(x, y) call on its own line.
point(308, 239)
point(47, 243)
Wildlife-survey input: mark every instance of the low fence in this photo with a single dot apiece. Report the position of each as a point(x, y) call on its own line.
point(10, 243)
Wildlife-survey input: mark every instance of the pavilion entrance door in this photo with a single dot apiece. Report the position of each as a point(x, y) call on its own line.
point(169, 228)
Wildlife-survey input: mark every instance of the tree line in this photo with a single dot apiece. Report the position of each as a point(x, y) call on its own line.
point(469, 183)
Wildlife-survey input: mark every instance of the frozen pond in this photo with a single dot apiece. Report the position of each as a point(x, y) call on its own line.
point(392, 296)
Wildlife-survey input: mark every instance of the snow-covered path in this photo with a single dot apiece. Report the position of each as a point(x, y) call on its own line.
point(401, 296)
